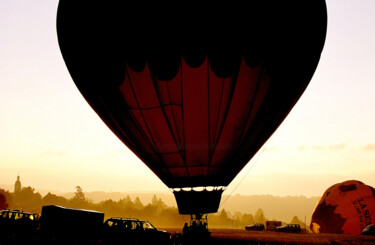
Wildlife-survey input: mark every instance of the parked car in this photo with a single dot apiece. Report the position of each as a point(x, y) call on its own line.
point(18, 223)
point(369, 230)
point(255, 227)
point(134, 231)
point(295, 228)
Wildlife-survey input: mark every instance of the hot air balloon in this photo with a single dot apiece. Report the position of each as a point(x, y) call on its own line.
point(345, 208)
point(193, 90)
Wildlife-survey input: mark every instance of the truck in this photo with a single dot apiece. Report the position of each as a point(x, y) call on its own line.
point(57, 222)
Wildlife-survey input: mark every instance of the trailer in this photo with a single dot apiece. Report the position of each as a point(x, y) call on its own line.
point(271, 225)
point(58, 222)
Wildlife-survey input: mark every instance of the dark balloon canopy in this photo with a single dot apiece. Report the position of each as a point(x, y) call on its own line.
point(193, 91)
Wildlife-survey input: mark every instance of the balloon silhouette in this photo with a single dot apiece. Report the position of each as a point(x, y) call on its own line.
point(193, 90)
point(345, 208)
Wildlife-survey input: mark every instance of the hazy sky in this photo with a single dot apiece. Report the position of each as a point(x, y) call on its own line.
point(54, 140)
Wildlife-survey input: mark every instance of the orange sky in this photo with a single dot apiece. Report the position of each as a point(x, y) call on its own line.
point(54, 140)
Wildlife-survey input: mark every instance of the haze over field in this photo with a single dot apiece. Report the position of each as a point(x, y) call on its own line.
point(274, 207)
point(54, 140)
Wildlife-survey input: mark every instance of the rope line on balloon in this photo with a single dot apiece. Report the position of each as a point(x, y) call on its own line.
point(218, 117)
point(244, 125)
point(136, 123)
point(248, 171)
point(177, 137)
point(208, 117)
point(150, 139)
point(183, 121)
point(161, 106)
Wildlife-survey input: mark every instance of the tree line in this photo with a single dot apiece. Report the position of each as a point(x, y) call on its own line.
point(157, 212)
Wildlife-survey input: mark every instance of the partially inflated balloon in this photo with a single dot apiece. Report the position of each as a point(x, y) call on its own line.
point(193, 90)
point(345, 208)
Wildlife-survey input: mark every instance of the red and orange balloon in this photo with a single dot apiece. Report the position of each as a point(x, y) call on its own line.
point(345, 208)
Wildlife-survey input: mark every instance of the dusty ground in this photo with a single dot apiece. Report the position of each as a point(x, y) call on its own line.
point(218, 237)
point(229, 236)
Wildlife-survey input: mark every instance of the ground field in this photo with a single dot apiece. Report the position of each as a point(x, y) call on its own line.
point(229, 237)
point(218, 237)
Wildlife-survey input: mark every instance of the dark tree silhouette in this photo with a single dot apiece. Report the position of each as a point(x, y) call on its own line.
point(52, 199)
point(79, 199)
point(79, 195)
point(137, 203)
point(27, 200)
point(247, 219)
point(259, 216)
point(3, 202)
point(5, 199)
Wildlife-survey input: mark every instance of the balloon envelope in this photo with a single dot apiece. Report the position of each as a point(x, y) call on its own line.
point(345, 208)
point(193, 91)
